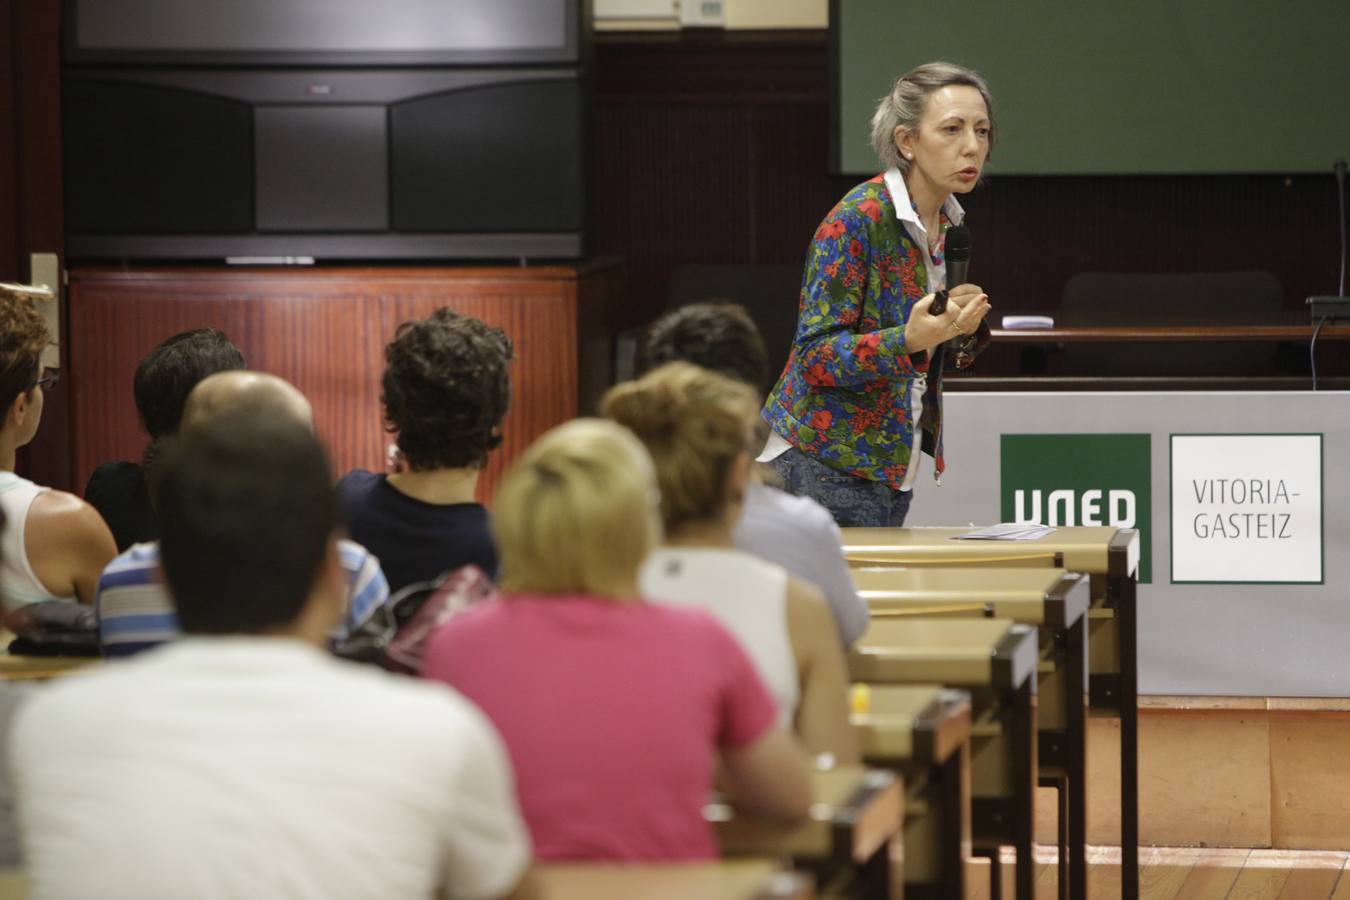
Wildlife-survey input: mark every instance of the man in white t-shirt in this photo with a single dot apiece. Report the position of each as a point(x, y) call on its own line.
point(243, 761)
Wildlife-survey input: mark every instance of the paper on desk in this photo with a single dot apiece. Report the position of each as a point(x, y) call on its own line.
point(1014, 322)
point(1006, 531)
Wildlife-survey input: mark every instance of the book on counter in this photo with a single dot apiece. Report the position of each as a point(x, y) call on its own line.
point(1015, 323)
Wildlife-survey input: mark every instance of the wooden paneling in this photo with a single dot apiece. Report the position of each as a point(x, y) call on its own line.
point(9, 149)
point(1310, 780)
point(1212, 780)
point(325, 330)
point(31, 219)
point(1244, 772)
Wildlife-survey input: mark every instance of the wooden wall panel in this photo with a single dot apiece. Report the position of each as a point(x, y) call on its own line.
point(325, 331)
point(9, 148)
point(31, 216)
point(1310, 780)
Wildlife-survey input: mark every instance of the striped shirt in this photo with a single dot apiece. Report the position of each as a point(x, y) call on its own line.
point(135, 611)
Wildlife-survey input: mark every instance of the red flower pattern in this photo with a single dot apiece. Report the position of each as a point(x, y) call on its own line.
point(847, 378)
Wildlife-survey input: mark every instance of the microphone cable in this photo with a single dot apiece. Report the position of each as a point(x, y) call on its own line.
point(1338, 168)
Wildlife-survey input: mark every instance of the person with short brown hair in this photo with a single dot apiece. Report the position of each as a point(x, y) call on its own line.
point(792, 531)
point(120, 490)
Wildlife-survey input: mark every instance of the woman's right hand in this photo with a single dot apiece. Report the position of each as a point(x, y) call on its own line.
point(924, 331)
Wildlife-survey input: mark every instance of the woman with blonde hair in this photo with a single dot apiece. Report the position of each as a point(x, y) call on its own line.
point(861, 394)
point(615, 712)
point(698, 426)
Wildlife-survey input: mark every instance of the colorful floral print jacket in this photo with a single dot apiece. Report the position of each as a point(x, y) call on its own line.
point(844, 396)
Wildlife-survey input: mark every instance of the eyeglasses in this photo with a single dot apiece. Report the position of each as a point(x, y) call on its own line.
point(49, 378)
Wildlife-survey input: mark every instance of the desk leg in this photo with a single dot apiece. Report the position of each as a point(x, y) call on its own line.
point(1127, 615)
point(955, 809)
point(1024, 788)
point(1076, 762)
point(1062, 857)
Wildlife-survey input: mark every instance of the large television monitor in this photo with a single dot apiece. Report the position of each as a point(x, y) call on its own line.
point(325, 32)
point(395, 148)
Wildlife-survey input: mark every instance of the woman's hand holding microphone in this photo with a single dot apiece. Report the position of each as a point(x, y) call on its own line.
point(967, 305)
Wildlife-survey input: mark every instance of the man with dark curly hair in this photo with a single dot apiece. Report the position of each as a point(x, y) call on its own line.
point(55, 545)
point(446, 389)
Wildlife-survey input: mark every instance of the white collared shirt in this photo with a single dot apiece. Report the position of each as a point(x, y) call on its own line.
point(937, 277)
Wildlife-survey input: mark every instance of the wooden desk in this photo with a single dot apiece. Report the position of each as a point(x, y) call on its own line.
point(13, 884)
point(855, 814)
point(1111, 557)
point(1056, 602)
point(733, 880)
point(923, 732)
point(1101, 334)
point(1030, 359)
point(40, 668)
point(996, 660)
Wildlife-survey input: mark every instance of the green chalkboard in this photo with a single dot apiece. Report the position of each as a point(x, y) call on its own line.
point(1137, 87)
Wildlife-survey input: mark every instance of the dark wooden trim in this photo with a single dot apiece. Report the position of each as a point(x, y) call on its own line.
point(970, 383)
point(39, 221)
point(9, 148)
point(1167, 333)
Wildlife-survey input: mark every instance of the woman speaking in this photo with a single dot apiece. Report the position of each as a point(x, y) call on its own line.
point(859, 397)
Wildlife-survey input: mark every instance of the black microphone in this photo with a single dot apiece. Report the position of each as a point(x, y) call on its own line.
point(958, 262)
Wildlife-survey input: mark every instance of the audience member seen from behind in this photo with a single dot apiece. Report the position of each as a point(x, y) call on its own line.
point(445, 391)
point(616, 712)
point(698, 427)
point(120, 491)
point(796, 533)
point(134, 609)
point(243, 760)
point(12, 694)
point(54, 545)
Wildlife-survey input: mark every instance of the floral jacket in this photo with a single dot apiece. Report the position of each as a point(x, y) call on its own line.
point(844, 396)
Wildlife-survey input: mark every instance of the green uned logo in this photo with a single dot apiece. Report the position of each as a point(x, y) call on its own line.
point(1080, 479)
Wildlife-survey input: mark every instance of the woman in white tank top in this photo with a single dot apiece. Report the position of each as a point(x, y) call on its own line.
point(697, 425)
point(53, 545)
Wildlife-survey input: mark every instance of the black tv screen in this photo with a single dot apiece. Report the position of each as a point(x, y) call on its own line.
point(443, 163)
point(323, 32)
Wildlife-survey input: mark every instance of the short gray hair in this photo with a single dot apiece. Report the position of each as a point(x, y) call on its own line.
point(903, 106)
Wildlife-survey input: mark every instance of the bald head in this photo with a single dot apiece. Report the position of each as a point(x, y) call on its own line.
point(265, 396)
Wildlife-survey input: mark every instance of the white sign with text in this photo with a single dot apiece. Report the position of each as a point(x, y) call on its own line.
point(1247, 508)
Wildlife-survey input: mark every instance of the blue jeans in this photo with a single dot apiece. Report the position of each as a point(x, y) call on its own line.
point(853, 501)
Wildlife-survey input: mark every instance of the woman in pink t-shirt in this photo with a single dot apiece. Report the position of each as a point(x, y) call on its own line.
point(615, 712)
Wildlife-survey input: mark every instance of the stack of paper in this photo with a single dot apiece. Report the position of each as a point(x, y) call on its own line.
point(1007, 531)
point(1033, 322)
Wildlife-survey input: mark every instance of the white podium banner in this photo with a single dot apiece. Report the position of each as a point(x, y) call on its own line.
point(1247, 508)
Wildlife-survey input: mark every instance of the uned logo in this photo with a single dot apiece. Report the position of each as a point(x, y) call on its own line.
point(1118, 512)
point(1080, 479)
